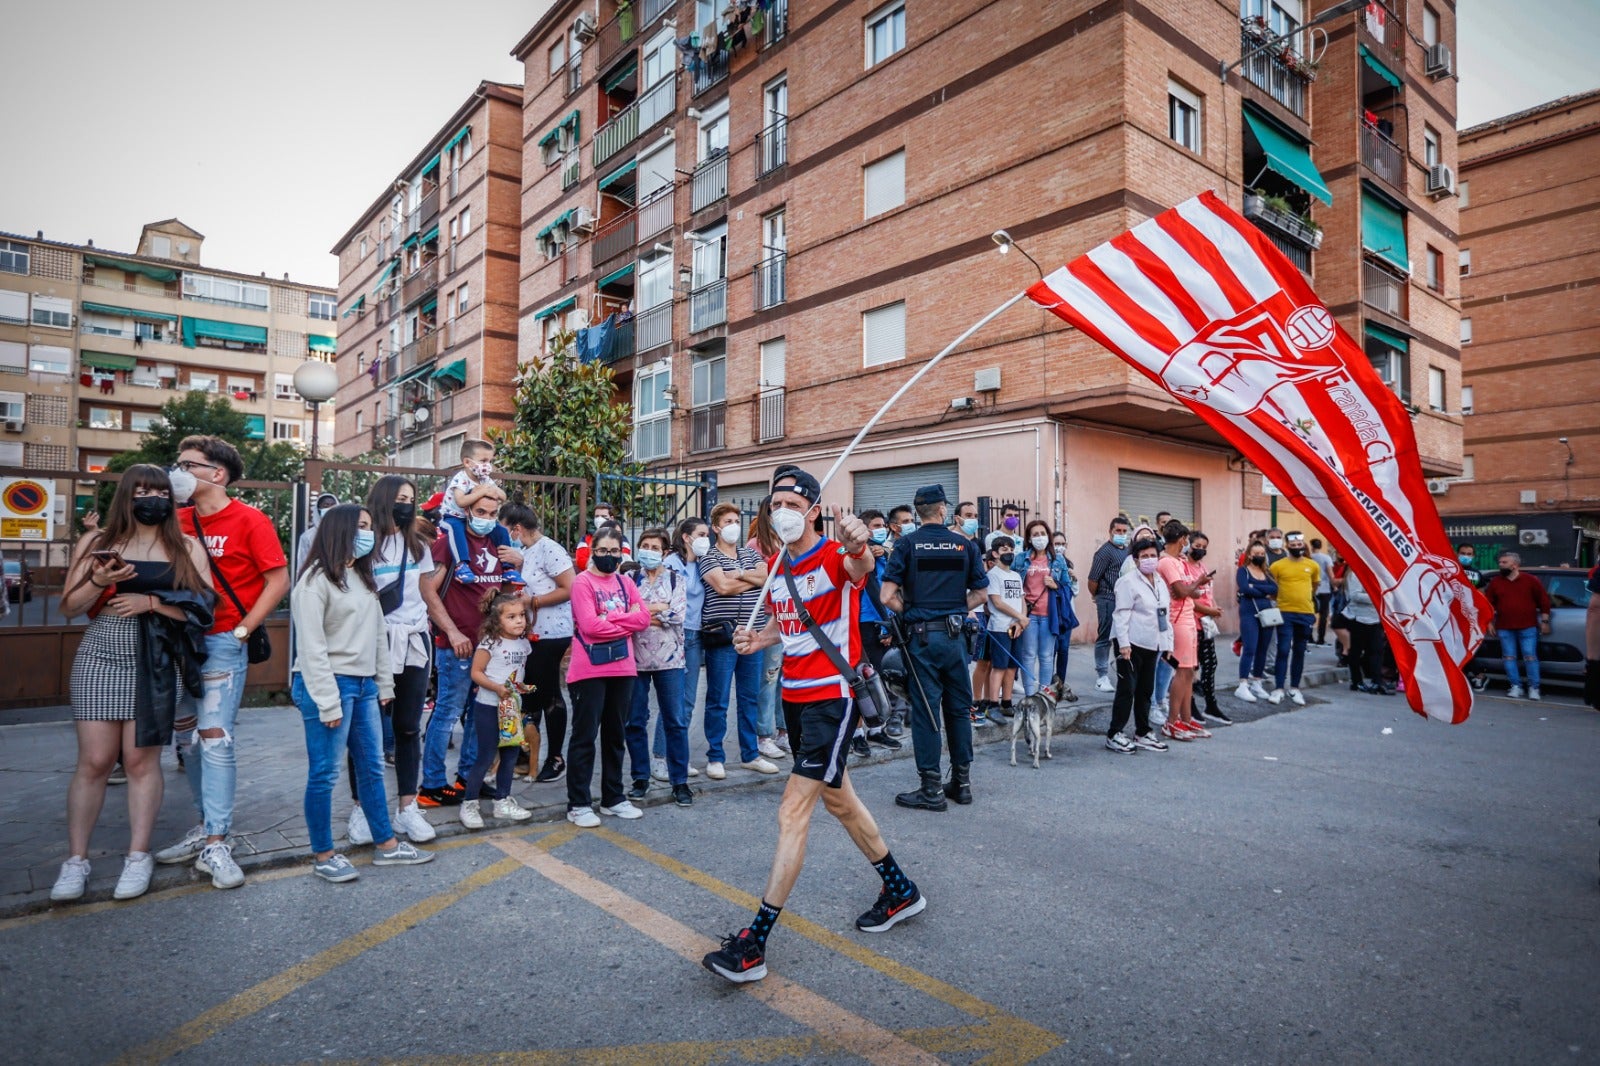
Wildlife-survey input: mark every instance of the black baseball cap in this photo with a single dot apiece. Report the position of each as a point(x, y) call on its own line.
point(930, 494)
point(803, 484)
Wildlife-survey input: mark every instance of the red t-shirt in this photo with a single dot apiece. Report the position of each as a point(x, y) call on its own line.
point(465, 604)
point(834, 601)
point(1517, 604)
point(244, 546)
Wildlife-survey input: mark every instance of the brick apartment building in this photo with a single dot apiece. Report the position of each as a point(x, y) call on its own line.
point(428, 293)
point(1530, 263)
point(799, 214)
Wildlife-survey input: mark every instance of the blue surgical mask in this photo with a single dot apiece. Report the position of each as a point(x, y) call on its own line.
point(483, 526)
point(970, 527)
point(648, 558)
point(880, 536)
point(1119, 539)
point(907, 528)
point(1466, 561)
point(365, 539)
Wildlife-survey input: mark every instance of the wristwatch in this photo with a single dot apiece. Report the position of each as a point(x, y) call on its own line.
point(241, 633)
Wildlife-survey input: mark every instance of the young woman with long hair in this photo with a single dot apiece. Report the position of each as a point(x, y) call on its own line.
point(690, 543)
point(1042, 573)
point(1143, 633)
point(120, 572)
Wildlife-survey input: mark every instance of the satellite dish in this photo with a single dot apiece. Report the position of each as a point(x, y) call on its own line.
point(183, 247)
point(422, 414)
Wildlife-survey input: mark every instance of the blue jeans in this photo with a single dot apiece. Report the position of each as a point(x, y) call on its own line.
point(359, 732)
point(1523, 642)
point(213, 774)
point(1254, 642)
point(1164, 672)
point(449, 704)
point(1292, 638)
point(671, 720)
point(724, 667)
point(1036, 652)
point(771, 672)
point(693, 660)
point(1063, 646)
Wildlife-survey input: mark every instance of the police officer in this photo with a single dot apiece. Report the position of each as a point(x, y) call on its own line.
point(934, 576)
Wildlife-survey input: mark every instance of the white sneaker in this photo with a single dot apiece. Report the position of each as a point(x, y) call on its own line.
point(658, 769)
point(623, 810)
point(358, 831)
point(1533, 694)
point(769, 748)
point(217, 860)
point(471, 814)
point(1514, 692)
point(1259, 688)
point(1296, 698)
point(1276, 697)
point(510, 808)
point(1243, 692)
point(583, 817)
point(1105, 684)
point(716, 771)
point(760, 766)
point(71, 881)
point(185, 849)
point(693, 772)
point(782, 742)
point(414, 824)
point(135, 879)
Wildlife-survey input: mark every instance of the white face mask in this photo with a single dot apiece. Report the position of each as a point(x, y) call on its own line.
point(1039, 543)
point(1276, 543)
point(789, 525)
point(729, 533)
point(700, 546)
point(183, 484)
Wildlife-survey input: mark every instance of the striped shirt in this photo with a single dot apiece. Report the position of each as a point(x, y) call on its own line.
point(720, 608)
point(834, 602)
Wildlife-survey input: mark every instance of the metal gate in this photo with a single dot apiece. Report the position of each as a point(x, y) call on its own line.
point(662, 498)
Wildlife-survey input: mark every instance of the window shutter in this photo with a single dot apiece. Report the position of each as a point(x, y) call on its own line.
point(883, 334)
point(885, 183)
point(13, 306)
point(1142, 496)
point(898, 485)
point(774, 356)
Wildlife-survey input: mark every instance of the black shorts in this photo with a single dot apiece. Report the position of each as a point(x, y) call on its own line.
point(819, 736)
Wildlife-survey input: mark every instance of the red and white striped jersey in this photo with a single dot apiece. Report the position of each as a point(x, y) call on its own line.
point(834, 602)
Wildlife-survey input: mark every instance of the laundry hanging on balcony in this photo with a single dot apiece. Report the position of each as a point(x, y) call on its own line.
point(596, 343)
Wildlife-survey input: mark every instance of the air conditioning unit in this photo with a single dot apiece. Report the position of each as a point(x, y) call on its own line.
point(1438, 486)
point(13, 425)
point(583, 27)
point(1438, 62)
point(1441, 180)
point(1533, 538)
point(582, 220)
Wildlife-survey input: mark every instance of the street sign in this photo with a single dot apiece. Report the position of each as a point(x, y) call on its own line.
point(27, 510)
point(1268, 488)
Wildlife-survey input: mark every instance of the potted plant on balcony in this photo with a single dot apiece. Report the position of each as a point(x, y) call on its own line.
point(1255, 27)
point(1255, 203)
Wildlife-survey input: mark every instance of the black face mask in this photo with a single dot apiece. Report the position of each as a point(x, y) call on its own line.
point(1505, 571)
point(1297, 552)
point(1007, 558)
point(1197, 554)
point(152, 510)
point(404, 513)
point(607, 564)
point(1258, 560)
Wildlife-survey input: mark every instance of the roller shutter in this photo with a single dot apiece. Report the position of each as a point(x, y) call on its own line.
point(883, 489)
point(1142, 496)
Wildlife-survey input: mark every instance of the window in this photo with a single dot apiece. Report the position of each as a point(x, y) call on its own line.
point(774, 357)
point(361, 250)
point(886, 32)
point(325, 307)
point(49, 359)
point(13, 357)
point(710, 258)
point(1466, 399)
point(884, 184)
point(247, 386)
point(466, 221)
point(710, 384)
point(1435, 269)
point(12, 406)
point(227, 290)
point(558, 57)
point(714, 130)
point(13, 307)
point(1435, 389)
point(708, 420)
point(1461, 193)
point(1391, 364)
point(144, 421)
point(161, 247)
point(1430, 146)
point(361, 420)
point(463, 299)
point(1467, 468)
point(1466, 261)
point(1466, 331)
point(199, 382)
point(1430, 25)
point(52, 311)
point(656, 171)
point(285, 430)
point(1183, 115)
point(652, 412)
point(104, 418)
point(655, 281)
point(14, 257)
point(883, 334)
point(283, 387)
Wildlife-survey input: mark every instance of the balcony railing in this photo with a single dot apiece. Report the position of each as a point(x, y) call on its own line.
point(615, 237)
point(710, 72)
point(430, 208)
point(653, 327)
point(777, 21)
point(710, 182)
point(771, 281)
point(1382, 156)
point(772, 147)
point(772, 410)
point(651, 10)
point(616, 33)
point(655, 214)
point(708, 306)
point(1275, 223)
point(1268, 71)
point(617, 134)
point(421, 283)
point(418, 352)
point(658, 101)
point(708, 428)
point(571, 170)
point(622, 348)
point(1382, 290)
point(569, 263)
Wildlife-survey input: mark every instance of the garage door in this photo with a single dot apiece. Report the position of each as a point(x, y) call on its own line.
point(746, 494)
point(883, 489)
point(1142, 496)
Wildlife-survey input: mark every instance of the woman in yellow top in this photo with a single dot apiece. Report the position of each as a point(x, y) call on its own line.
point(1297, 576)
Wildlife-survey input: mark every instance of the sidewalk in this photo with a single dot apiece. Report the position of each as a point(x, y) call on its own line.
point(269, 828)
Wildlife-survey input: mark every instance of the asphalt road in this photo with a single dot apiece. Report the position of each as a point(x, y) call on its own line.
point(1343, 883)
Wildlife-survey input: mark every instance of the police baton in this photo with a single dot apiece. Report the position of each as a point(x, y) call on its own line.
point(897, 637)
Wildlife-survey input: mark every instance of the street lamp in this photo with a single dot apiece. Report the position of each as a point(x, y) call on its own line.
point(317, 382)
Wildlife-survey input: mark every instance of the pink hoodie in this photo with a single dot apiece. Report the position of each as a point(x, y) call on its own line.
point(598, 616)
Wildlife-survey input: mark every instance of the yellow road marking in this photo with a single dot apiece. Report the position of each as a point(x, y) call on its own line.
point(842, 1028)
point(1026, 1040)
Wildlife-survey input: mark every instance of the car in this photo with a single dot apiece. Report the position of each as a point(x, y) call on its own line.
point(1561, 650)
point(19, 581)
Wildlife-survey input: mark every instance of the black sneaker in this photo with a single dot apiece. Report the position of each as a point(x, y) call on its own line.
point(858, 745)
point(884, 740)
point(555, 768)
point(637, 792)
point(740, 959)
point(439, 797)
point(1216, 717)
point(682, 796)
point(891, 910)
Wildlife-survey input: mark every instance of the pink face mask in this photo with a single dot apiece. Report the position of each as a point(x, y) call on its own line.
point(1148, 566)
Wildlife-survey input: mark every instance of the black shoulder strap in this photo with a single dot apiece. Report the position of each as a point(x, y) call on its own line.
point(194, 513)
point(828, 647)
point(875, 591)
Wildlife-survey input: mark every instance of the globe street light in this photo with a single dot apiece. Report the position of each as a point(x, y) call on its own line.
point(317, 382)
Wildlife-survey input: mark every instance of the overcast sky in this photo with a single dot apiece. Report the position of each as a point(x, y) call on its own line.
point(270, 127)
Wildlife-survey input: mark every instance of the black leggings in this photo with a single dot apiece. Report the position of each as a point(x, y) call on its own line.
point(410, 689)
point(1366, 653)
point(485, 718)
point(1206, 686)
point(544, 706)
point(600, 705)
point(1136, 685)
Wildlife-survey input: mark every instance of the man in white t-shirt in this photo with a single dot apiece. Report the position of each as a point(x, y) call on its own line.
point(547, 570)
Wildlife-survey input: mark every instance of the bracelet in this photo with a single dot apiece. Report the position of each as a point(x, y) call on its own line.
point(152, 600)
point(97, 584)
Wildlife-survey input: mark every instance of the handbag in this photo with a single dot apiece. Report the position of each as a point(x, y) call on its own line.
point(391, 598)
point(871, 697)
point(1269, 617)
point(612, 651)
point(258, 647)
point(717, 634)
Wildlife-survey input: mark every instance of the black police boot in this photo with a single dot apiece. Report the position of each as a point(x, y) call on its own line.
point(959, 787)
point(893, 726)
point(930, 797)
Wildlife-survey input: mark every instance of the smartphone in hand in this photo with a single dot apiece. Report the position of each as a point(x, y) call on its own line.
point(107, 555)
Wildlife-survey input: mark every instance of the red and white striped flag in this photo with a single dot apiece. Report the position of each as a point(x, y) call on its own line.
point(1200, 301)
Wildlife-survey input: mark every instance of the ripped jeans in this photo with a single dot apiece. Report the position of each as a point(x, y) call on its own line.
point(210, 762)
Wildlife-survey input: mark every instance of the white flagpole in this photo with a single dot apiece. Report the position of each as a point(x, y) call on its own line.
point(860, 436)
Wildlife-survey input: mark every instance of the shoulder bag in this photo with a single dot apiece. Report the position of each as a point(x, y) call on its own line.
point(391, 598)
point(258, 644)
point(612, 651)
point(871, 697)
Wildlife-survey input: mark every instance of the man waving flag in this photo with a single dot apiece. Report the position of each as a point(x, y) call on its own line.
point(1204, 305)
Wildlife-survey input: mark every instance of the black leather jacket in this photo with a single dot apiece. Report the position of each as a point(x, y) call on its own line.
point(169, 650)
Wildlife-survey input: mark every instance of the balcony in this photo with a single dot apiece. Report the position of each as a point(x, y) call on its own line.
point(771, 276)
point(708, 428)
point(1383, 290)
point(418, 285)
point(653, 327)
point(777, 22)
point(772, 147)
point(419, 351)
point(658, 101)
point(1294, 236)
point(708, 306)
point(617, 134)
point(430, 208)
point(571, 171)
point(622, 348)
point(710, 182)
point(654, 9)
point(1279, 72)
point(771, 411)
point(1383, 157)
point(614, 34)
point(655, 214)
point(711, 72)
point(615, 237)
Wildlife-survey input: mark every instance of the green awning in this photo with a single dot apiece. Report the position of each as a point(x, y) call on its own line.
point(383, 277)
point(561, 220)
point(547, 138)
point(572, 120)
point(255, 427)
point(128, 312)
point(428, 305)
point(409, 241)
point(1383, 232)
point(615, 275)
point(318, 343)
point(555, 308)
point(1378, 68)
point(431, 235)
point(415, 372)
point(107, 361)
point(194, 328)
point(621, 74)
point(154, 273)
point(1399, 342)
point(457, 138)
point(433, 164)
point(456, 372)
point(1287, 157)
point(618, 174)
point(360, 302)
